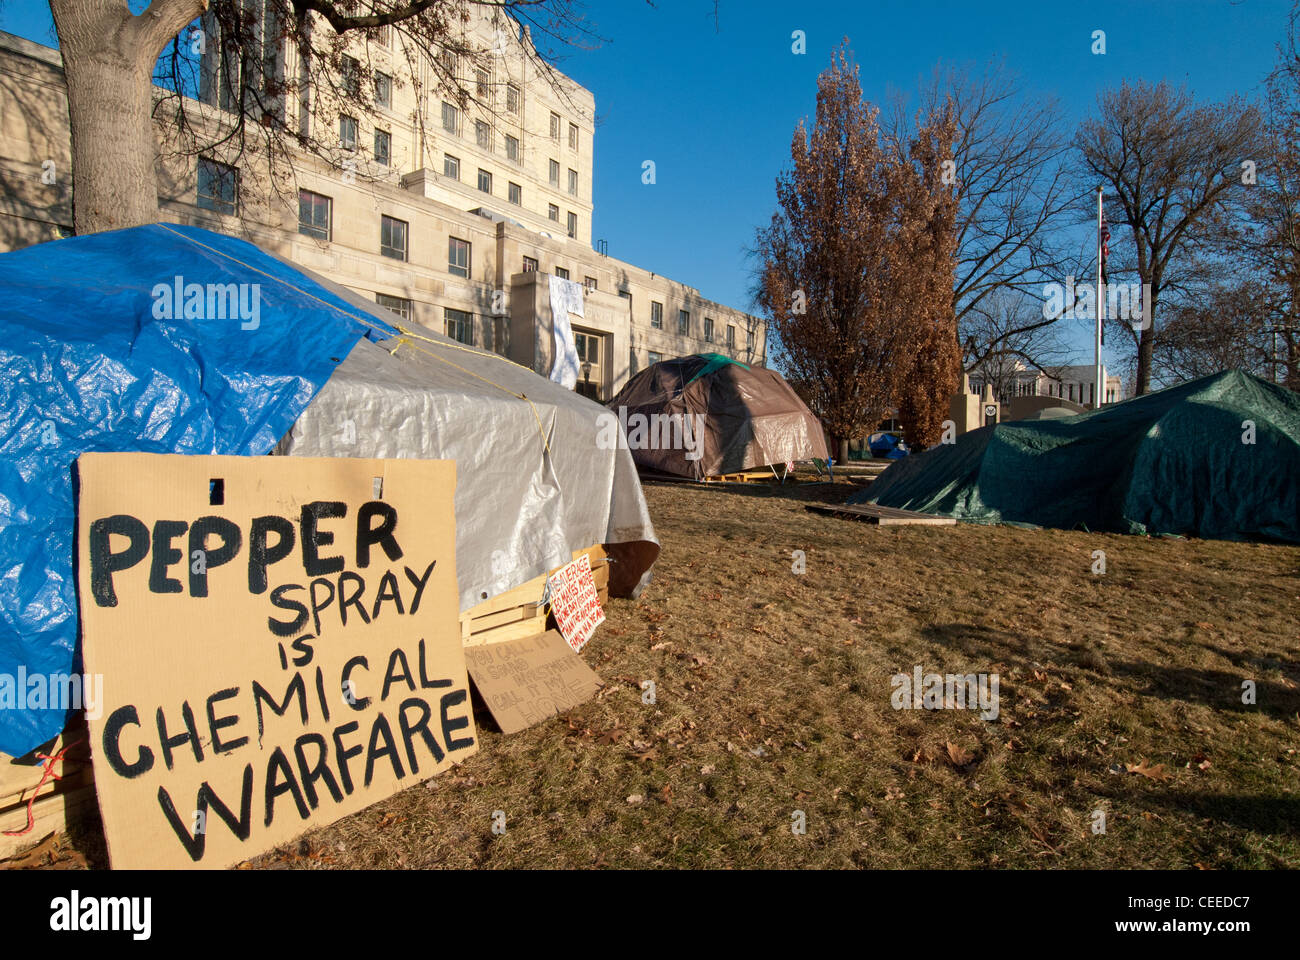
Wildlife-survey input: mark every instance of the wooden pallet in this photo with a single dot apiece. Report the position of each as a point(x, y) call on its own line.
point(516, 613)
point(57, 803)
point(745, 476)
point(884, 516)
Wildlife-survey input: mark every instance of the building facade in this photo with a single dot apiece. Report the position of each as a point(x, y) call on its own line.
point(1014, 378)
point(453, 216)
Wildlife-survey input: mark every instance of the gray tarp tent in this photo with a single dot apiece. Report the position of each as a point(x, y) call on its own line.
point(533, 484)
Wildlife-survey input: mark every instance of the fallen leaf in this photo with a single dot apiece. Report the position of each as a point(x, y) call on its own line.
point(957, 755)
point(636, 798)
point(1158, 772)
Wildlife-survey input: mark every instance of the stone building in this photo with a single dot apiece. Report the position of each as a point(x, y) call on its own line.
point(454, 217)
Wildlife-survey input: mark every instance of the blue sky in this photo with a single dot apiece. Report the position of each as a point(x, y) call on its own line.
point(715, 108)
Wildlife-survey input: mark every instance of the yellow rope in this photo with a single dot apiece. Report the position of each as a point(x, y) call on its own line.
point(405, 338)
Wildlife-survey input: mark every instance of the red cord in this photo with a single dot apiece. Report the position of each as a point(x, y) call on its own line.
point(50, 761)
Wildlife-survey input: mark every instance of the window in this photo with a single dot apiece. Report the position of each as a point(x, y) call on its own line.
point(573, 225)
point(450, 117)
point(553, 212)
point(392, 238)
point(218, 187)
point(749, 341)
point(512, 98)
point(573, 136)
point(398, 305)
point(530, 265)
point(516, 194)
point(449, 61)
point(627, 295)
point(683, 322)
point(656, 315)
point(587, 346)
point(708, 329)
point(349, 74)
point(512, 148)
point(451, 166)
point(573, 182)
point(313, 215)
point(485, 181)
point(483, 134)
point(459, 325)
point(481, 83)
point(589, 283)
point(655, 357)
point(555, 173)
point(555, 127)
point(383, 35)
point(562, 273)
point(458, 257)
point(348, 132)
point(731, 337)
point(383, 146)
point(383, 90)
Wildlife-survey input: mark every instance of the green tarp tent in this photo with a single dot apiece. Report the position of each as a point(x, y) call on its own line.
point(1177, 461)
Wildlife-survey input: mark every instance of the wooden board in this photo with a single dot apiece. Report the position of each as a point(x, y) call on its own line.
point(883, 516)
point(52, 814)
point(516, 614)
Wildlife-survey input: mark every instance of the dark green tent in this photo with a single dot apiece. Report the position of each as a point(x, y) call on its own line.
point(1176, 461)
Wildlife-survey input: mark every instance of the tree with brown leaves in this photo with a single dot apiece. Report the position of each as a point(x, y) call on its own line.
point(856, 264)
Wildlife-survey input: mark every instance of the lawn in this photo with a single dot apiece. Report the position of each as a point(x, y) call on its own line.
point(1119, 692)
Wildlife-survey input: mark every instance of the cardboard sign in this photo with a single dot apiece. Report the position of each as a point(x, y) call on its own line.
point(575, 602)
point(279, 644)
point(525, 681)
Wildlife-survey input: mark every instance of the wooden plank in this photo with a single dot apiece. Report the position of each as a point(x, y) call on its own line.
point(511, 631)
point(51, 815)
point(883, 516)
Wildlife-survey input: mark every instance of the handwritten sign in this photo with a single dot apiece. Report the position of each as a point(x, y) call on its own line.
point(575, 602)
point(278, 640)
point(525, 681)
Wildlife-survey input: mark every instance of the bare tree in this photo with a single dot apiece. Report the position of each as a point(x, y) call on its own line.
point(1009, 173)
point(1006, 335)
point(1226, 326)
point(846, 262)
point(1172, 167)
point(112, 59)
point(1270, 235)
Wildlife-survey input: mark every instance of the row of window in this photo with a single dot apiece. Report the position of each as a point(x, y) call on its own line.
point(684, 324)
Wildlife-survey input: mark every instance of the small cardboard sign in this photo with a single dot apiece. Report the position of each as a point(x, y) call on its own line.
point(525, 681)
point(279, 644)
point(575, 602)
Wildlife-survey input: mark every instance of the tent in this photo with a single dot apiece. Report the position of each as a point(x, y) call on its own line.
point(1217, 457)
point(705, 415)
point(172, 339)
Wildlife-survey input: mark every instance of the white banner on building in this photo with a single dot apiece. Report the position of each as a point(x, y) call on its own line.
point(566, 298)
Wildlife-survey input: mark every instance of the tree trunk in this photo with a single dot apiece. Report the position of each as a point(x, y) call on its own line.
point(108, 60)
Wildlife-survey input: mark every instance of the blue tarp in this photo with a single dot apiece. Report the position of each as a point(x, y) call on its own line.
point(89, 361)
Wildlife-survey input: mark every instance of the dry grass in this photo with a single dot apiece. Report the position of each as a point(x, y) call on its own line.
point(773, 695)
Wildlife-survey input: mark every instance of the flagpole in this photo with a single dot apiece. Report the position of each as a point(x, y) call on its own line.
point(1101, 297)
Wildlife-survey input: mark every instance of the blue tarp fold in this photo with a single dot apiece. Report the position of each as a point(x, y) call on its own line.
point(98, 353)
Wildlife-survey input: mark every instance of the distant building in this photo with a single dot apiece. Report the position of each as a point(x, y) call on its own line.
point(453, 218)
point(1014, 378)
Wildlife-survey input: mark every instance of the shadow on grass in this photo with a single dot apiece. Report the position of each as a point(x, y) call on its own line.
point(1263, 813)
point(1220, 689)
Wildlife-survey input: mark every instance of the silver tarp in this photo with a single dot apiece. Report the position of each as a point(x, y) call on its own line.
point(521, 509)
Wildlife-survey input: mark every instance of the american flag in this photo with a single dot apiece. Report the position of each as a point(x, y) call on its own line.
point(1105, 246)
point(1103, 243)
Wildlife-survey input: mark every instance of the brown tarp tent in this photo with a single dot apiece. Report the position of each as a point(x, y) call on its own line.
point(706, 415)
